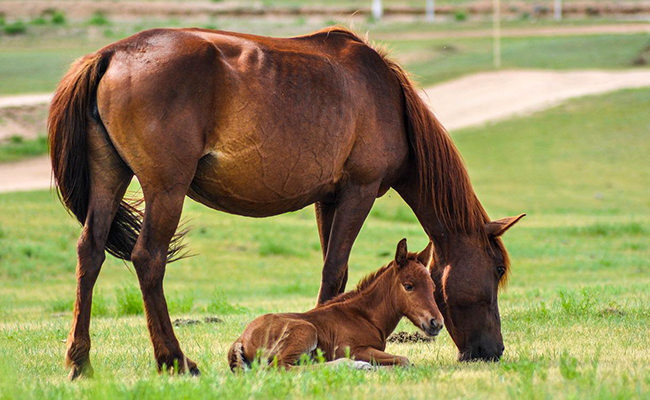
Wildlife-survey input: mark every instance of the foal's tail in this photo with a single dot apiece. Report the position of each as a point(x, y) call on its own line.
point(72, 110)
point(236, 358)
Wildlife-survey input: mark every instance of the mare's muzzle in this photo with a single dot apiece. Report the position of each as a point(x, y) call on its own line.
point(482, 352)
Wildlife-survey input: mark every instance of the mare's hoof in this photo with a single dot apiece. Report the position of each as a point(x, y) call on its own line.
point(178, 366)
point(192, 368)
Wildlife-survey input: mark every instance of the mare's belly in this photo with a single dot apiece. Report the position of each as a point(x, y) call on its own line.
point(253, 183)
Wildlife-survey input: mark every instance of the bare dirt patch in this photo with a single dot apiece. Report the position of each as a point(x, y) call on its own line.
point(409, 337)
point(188, 321)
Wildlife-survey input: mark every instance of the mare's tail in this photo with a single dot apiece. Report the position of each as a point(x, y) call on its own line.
point(72, 109)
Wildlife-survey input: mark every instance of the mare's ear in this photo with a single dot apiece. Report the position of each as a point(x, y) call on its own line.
point(426, 256)
point(401, 253)
point(500, 226)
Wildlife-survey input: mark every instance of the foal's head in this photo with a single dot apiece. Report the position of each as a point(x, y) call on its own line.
point(414, 289)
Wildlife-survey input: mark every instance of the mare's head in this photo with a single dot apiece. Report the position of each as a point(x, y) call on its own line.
point(414, 289)
point(468, 272)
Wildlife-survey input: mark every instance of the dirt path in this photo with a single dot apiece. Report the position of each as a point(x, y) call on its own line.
point(32, 174)
point(492, 96)
point(25, 100)
point(465, 102)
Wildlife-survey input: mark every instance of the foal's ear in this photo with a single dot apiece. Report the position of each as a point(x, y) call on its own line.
point(401, 253)
point(426, 256)
point(500, 226)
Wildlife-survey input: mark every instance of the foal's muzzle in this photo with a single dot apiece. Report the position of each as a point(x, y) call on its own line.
point(432, 327)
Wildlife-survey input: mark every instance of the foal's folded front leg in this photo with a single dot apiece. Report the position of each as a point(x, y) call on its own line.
point(379, 357)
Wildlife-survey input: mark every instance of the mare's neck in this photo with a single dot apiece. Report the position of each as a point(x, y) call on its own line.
point(465, 217)
point(445, 240)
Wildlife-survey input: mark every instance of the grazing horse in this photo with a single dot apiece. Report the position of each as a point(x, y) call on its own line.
point(260, 126)
point(354, 324)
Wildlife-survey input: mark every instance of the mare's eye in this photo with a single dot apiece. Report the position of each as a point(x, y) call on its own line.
point(408, 287)
point(501, 271)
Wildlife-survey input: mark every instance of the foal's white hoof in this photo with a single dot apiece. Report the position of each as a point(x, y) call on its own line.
point(362, 365)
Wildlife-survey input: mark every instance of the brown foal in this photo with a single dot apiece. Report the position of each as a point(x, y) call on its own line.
point(354, 324)
point(260, 126)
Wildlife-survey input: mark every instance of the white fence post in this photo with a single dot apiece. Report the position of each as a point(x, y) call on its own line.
point(558, 10)
point(377, 9)
point(430, 10)
point(497, 33)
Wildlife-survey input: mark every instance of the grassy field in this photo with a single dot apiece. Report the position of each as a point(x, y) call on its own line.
point(575, 315)
point(35, 61)
point(17, 148)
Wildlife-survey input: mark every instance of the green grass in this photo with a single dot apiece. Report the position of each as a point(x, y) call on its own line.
point(18, 148)
point(129, 301)
point(438, 60)
point(574, 316)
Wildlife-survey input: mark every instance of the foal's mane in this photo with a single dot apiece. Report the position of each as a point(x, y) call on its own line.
point(365, 283)
point(443, 179)
point(362, 286)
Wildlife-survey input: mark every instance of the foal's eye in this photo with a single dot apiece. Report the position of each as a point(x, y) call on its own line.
point(408, 287)
point(501, 271)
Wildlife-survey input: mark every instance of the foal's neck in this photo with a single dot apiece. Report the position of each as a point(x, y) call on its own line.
point(378, 306)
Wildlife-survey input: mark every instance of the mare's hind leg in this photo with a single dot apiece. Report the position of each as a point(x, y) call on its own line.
point(109, 179)
point(162, 214)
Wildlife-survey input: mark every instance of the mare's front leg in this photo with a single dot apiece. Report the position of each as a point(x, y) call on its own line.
point(352, 208)
point(324, 219)
point(374, 356)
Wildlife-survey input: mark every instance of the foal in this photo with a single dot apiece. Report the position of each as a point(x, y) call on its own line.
point(354, 324)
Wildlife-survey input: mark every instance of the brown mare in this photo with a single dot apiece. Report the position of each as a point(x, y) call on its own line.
point(260, 126)
point(354, 324)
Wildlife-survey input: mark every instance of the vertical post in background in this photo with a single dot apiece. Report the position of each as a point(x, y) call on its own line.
point(497, 33)
point(558, 10)
point(430, 11)
point(377, 10)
